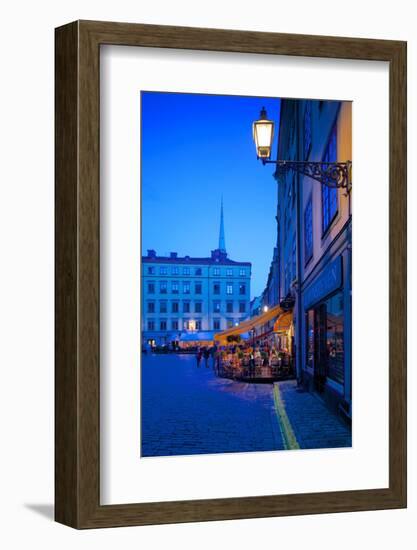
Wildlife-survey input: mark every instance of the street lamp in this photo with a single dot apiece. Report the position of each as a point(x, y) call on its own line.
point(332, 174)
point(265, 309)
point(263, 134)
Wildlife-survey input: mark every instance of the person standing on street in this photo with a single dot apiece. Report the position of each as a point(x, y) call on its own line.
point(199, 356)
point(206, 356)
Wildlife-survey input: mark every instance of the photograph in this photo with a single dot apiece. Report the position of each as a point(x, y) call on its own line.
point(246, 274)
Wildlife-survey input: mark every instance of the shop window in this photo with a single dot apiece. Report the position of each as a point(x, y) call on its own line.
point(325, 340)
point(335, 338)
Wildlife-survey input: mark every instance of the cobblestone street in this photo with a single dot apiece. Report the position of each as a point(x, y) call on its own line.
point(188, 410)
point(313, 425)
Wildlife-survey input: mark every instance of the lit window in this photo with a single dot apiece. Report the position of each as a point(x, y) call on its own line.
point(216, 271)
point(186, 288)
point(329, 195)
point(229, 272)
point(242, 272)
point(163, 270)
point(186, 271)
point(175, 287)
point(175, 270)
point(229, 288)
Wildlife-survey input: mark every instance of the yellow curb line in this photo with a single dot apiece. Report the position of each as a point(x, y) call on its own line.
point(288, 435)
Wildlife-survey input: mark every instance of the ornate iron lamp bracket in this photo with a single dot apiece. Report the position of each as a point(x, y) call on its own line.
point(332, 174)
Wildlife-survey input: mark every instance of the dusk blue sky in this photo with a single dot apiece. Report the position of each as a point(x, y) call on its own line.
point(196, 149)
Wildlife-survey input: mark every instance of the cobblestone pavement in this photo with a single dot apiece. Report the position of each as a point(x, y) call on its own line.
point(188, 410)
point(314, 426)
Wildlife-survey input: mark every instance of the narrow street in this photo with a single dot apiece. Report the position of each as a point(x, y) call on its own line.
point(188, 410)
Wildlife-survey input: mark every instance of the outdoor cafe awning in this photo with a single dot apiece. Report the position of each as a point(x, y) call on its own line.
point(283, 323)
point(249, 324)
point(197, 336)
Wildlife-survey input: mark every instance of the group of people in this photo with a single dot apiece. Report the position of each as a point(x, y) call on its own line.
point(209, 354)
point(238, 357)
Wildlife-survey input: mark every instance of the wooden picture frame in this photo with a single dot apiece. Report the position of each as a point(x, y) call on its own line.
point(77, 372)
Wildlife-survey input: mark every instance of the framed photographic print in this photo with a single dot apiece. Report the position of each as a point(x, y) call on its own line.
point(230, 274)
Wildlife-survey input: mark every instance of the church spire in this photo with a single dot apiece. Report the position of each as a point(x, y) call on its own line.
point(222, 241)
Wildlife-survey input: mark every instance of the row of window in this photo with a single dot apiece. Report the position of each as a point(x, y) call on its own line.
point(175, 270)
point(194, 324)
point(198, 307)
point(198, 287)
